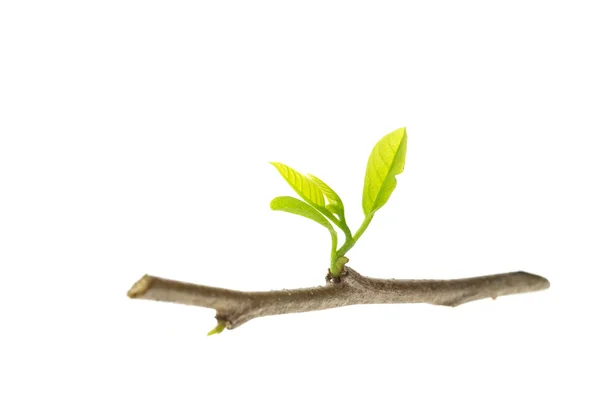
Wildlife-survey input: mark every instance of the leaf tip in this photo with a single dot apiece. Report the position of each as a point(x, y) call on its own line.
point(274, 203)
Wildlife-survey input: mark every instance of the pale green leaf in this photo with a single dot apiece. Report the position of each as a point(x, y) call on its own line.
point(332, 209)
point(385, 162)
point(221, 325)
point(335, 202)
point(305, 188)
point(298, 207)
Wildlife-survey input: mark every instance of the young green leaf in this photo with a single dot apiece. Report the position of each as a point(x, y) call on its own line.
point(218, 329)
point(298, 207)
point(307, 189)
point(385, 162)
point(335, 202)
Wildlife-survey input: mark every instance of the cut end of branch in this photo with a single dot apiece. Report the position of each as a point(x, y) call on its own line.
point(140, 287)
point(537, 282)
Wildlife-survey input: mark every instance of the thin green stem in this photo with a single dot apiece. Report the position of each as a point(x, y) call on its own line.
point(363, 227)
point(344, 249)
point(340, 223)
point(329, 215)
point(350, 242)
point(334, 241)
point(344, 227)
point(336, 268)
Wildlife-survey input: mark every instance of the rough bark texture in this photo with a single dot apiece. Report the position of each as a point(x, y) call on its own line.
point(235, 308)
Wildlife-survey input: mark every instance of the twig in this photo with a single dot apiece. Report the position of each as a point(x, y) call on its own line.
point(235, 308)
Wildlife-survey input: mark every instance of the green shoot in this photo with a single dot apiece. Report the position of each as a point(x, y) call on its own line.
point(387, 160)
point(221, 325)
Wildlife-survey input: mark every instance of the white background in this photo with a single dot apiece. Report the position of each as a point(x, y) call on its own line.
point(135, 138)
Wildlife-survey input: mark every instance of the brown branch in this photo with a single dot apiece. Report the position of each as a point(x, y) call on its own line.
point(234, 308)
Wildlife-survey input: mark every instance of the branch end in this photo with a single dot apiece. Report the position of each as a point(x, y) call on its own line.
point(140, 287)
point(537, 282)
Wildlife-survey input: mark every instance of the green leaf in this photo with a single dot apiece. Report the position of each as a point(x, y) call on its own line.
point(385, 162)
point(218, 329)
point(298, 207)
point(307, 189)
point(335, 202)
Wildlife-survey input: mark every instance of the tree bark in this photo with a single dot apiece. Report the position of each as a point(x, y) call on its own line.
point(235, 308)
